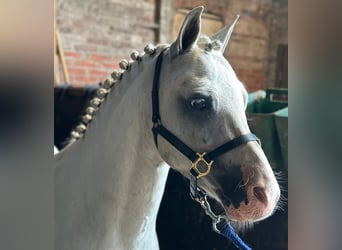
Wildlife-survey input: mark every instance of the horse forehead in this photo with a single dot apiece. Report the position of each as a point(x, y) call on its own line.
point(194, 64)
point(204, 68)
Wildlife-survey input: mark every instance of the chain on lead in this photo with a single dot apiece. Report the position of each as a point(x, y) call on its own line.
point(217, 220)
point(206, 206)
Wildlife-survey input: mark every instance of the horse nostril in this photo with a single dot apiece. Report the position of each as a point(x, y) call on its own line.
point(260, 194)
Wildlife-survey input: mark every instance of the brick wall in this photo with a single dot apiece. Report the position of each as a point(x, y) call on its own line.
point(97, 34)
point(252, 50)
point(277, 24)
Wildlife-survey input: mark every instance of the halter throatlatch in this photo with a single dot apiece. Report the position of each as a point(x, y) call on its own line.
point(201, 163)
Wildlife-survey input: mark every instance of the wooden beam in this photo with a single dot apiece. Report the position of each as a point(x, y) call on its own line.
point(61, 57)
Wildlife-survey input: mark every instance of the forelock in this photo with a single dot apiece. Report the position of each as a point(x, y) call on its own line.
point(205, 43)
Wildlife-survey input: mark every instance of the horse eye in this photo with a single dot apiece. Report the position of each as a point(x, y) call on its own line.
point(199, 103)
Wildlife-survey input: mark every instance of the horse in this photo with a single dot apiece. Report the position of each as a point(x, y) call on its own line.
point(110, 178)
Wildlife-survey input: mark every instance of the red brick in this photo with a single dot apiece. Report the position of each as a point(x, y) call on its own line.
point(72, 54)
point(258, 71)
point(98, 72)
point(241, 71)
point(98, 57)
point(86, 47)
point(111, 65)
point(69, 62)
point(77, 71)
point(78, 84)
point(78, 24)
point(85, 79)
point(86, 63)
point(100, 41)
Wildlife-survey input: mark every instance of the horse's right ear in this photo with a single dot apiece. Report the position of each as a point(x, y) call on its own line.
point(189, 32)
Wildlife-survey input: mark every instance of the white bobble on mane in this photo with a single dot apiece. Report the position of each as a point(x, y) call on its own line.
point(135, 56)
point(90, 110)
point(81, 128)
point(87, 118)
point(216, 45)
point(108, 83)
point(101, 93)
point(75, 135)
point(95, 102)
point(150, 49)
point(124, 64)
point(116, 75)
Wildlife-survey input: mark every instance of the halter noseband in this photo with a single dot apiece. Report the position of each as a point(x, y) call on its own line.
point(201, 162)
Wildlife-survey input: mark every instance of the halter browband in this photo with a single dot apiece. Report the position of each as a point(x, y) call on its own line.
point(201, 162)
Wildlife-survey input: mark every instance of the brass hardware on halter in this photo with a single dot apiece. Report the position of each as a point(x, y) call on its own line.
point(201, 163)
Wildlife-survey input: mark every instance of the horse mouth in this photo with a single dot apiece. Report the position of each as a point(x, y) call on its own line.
point(246, 213)
point(255, 206)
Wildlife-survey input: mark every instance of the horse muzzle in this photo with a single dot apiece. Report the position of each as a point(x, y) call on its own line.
point(261, 202)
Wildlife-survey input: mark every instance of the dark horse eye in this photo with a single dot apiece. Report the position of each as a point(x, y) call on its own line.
point(199, 103)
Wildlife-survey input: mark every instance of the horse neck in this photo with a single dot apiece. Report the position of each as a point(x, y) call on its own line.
point(115, 170)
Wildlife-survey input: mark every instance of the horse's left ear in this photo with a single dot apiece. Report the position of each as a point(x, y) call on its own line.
point(224, 34)
point(189, 32)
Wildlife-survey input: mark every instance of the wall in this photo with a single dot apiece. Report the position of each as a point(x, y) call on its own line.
point(252, 50)
point(97, 34)
point(277, 24)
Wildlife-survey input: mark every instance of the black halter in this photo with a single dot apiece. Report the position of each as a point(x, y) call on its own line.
point(201, 162)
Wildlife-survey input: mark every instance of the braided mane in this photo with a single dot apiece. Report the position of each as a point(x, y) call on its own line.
point(116, 76)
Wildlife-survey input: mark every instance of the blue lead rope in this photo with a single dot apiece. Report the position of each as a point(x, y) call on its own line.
point(225, 229)
point(229, 233)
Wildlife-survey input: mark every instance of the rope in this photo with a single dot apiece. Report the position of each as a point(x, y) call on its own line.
point(230, 234)
point(224, 229)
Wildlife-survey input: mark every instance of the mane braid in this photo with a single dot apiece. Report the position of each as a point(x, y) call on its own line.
point(104, 89)
point(207, 44)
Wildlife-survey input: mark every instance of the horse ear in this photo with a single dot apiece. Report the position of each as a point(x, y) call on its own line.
point(224, 34)
point(189, 32)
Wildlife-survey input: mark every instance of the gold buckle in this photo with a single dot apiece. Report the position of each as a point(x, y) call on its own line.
point(202, 163)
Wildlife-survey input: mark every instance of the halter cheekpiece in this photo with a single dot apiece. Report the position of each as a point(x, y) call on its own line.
point(201, 163)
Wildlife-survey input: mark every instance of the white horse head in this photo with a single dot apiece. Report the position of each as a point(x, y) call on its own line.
point(202, 102)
